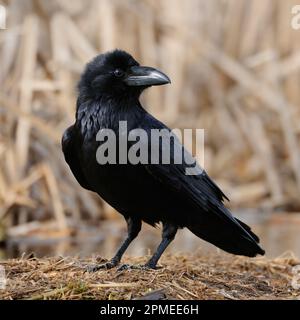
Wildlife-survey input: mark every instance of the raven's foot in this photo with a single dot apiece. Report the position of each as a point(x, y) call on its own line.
point(108, 265)
point(145, 267)
point(132, 267)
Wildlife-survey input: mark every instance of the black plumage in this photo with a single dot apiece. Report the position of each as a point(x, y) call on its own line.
point(109, 92)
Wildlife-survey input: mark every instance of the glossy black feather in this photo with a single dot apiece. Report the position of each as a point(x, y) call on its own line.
point(70, 151)
point(151, 192)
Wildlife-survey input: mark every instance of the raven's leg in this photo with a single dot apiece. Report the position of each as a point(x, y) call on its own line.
point(134, 227)
point(168, 235)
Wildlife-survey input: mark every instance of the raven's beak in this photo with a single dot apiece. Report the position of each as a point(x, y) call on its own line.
point(145, 76)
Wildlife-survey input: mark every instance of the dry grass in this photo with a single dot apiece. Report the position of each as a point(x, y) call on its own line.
point(238, 62)
point(182, 277)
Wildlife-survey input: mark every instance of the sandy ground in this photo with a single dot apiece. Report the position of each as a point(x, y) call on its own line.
point(180, 277)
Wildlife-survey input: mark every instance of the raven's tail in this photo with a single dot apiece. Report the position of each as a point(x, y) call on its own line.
point(234, 237)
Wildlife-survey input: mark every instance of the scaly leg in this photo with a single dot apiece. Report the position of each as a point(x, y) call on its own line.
point(134, 227)
point(168, 235)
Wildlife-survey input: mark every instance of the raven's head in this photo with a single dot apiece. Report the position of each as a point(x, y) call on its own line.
point(117, 73)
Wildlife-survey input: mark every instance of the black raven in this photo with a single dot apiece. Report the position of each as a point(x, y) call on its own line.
point(109, 91)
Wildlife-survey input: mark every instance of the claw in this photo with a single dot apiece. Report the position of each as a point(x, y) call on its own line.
point(125, 267)
point(135, 267)
point(107, 265)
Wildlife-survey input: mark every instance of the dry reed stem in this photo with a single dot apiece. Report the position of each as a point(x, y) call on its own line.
point(234, 66)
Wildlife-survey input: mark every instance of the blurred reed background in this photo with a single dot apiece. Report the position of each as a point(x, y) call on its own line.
point(234, 66)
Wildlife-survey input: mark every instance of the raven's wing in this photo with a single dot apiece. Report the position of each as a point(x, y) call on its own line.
point(69, 149)
point(177, 176)
point(216, 224)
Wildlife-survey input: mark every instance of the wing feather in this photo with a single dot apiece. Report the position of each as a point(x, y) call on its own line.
point(199, 189)
point(71, 156)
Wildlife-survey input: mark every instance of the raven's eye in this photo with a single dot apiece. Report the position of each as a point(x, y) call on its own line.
point(119, 73)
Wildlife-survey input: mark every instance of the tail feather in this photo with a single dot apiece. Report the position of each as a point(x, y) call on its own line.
point(248, 229)
point(239, 241)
